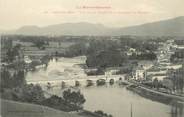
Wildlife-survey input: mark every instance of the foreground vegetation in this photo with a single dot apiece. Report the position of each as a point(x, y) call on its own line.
point(19, 109)
point(14, 87)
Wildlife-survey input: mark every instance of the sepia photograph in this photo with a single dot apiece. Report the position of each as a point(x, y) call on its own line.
point(91, 58)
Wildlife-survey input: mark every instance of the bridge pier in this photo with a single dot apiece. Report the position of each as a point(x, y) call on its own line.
point(80, 81)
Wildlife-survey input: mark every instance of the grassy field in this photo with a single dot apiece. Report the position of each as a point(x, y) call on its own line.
point(19, 109)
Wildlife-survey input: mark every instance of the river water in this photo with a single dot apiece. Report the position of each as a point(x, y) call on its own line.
point(115, 100)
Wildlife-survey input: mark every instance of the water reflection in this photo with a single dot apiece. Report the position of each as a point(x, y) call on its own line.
point(117, 101)
point(177, 109)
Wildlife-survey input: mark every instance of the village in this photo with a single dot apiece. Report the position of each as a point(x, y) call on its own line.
point(159, 70)
point(58, 63)
point(92, 58)
point(145, 70)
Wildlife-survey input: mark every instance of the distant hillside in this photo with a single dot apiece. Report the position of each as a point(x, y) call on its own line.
point(170, 27)
point(18, 109)
point(77, 29)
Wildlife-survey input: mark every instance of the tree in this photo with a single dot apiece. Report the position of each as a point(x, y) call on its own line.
point(168, 83)
point(111, 82)
point(106, 58)
point(10, 55)
point(156, 83)
point(6, 81)
point(45, 60)
point(177, 78)
point(74, 98)
point(102, 114)
point(32, 93)
point(177, 56)
point(55, 102)
point(63, 84)
point(19, 79)
point(77, 49)
point(13, 52)
point(39, 44)
point(48, 86)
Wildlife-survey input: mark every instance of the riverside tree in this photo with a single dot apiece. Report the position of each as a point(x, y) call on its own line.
point(74, 99)
point(106, 58)
point(177, 78)
point(156, 83)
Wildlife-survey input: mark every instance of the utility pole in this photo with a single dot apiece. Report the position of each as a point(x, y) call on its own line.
point(131, 113)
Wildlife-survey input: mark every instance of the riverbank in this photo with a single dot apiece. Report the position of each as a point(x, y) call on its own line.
point(155, 95)
point(9, 109)
point(117, 100)
point(19, 109)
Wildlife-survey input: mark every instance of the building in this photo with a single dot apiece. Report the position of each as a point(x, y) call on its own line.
point(22, 43)
point(110, 72)
point(139, 73)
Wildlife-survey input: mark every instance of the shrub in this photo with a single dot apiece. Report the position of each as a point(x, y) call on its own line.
point(102, 114)
point(74, 99)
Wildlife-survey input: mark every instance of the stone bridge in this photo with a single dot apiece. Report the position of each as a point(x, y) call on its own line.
point(82, 80)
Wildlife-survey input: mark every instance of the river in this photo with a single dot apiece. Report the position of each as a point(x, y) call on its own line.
point(115, 100)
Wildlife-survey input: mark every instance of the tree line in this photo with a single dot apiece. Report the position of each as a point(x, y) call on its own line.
point(14, 87)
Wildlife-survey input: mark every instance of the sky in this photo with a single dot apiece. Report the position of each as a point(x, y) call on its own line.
point(111, 13)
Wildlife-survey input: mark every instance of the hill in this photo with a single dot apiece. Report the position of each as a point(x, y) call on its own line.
point(169, 27)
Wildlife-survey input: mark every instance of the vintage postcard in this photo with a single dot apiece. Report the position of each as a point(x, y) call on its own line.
point(92, 58)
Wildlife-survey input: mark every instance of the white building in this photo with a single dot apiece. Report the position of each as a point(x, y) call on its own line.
point(24, 44)
point(139, 73)
point(111, 72)
point(27, 60)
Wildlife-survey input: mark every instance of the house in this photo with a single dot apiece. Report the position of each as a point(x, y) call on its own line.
point(146, 64)
point(130, 51)
point(160, 77)
point(54, 44)
point(27, 60)
point(111, 72)
point(22, 43)
point(180, 47)
point(139, 73)
point(91, 71)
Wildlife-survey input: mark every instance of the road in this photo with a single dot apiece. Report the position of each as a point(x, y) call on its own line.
point(164, 94)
